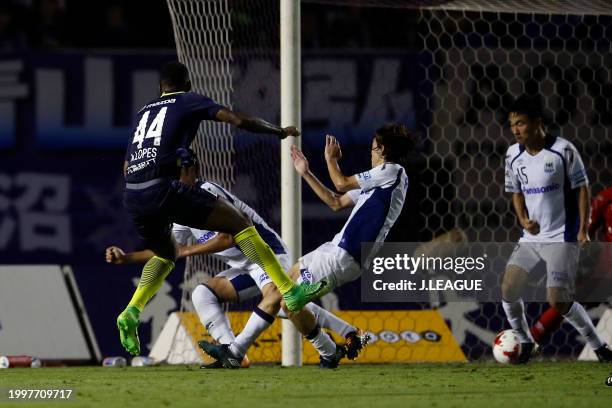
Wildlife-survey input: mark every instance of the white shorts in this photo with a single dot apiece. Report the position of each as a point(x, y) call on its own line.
point(561, 260)
point(331, 263)
point(250, 280)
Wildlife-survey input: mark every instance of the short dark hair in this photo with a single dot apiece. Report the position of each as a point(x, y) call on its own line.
point(397, 140)
point(174, 75)
point(529, 105)
point(187, 157)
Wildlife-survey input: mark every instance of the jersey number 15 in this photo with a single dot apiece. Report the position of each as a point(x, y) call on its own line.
point(155, 130)
point(522, 175)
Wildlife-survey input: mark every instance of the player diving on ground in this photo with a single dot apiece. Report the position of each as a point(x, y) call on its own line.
point(243, 280)
point(377, 197)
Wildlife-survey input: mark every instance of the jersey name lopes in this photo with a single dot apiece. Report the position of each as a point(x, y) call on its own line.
point(161, 128)
point(549, 182)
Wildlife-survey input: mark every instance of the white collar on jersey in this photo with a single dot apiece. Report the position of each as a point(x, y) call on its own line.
point(172, 93)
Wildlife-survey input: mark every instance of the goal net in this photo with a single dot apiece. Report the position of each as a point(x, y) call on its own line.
point(231, 49)
point(462, 61)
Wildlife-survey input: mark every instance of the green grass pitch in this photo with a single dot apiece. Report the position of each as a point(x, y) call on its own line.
point(554, 384)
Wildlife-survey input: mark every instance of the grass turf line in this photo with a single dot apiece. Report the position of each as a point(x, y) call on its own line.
point(559, 384)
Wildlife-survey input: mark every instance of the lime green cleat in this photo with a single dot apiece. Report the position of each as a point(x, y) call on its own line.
point(127, 323)
point(300, 295)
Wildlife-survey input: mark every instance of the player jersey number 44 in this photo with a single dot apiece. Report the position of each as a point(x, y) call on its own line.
point(161, 127)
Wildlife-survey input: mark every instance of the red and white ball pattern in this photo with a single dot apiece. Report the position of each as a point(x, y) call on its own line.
point(507, 347)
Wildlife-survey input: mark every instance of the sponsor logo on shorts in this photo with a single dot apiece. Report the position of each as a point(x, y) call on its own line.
point(559, 276)
point(306, 275)
point(263, 277)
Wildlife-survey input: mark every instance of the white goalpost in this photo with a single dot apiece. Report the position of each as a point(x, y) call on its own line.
point(203, 30)
point(291, 197)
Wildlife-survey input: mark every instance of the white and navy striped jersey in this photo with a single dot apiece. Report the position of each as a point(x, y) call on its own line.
point(549, 182)
point(377, 205)
point(232, 256)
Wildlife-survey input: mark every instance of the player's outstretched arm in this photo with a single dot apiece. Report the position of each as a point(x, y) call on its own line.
point(334, 201)
point(254, 124)
point(584, 208)
point(219, 243)
point(117, 256)
point(333, 153)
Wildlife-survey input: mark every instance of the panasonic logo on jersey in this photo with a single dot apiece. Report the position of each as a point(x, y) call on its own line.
point(206, 237)
point(543, 189)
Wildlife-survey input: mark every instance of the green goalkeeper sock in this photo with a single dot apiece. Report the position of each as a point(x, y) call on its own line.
point(259, 252)
point(153, 274)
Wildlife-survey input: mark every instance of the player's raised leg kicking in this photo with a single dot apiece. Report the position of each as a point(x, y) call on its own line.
point(155, 198)
point(242, 281)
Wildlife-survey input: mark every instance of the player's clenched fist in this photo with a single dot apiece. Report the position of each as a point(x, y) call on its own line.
point(115, 255)
point(532, 227)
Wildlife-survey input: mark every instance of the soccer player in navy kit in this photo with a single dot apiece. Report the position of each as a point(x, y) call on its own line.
point(551, 197)
point(155, 198)
point(243, 279)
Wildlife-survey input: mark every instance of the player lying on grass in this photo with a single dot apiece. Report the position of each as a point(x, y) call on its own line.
point(242, 281)
point(377, 196)
point(155, 198)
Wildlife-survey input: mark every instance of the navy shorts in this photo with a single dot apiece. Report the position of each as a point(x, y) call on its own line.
point(156, 208)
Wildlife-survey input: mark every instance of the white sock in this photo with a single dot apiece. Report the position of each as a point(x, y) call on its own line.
point(257, 323)
point(515, 312)
point(322, 342)
point(211, 315)
point(578, 317)
point(325, 319)
point(329, 320)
